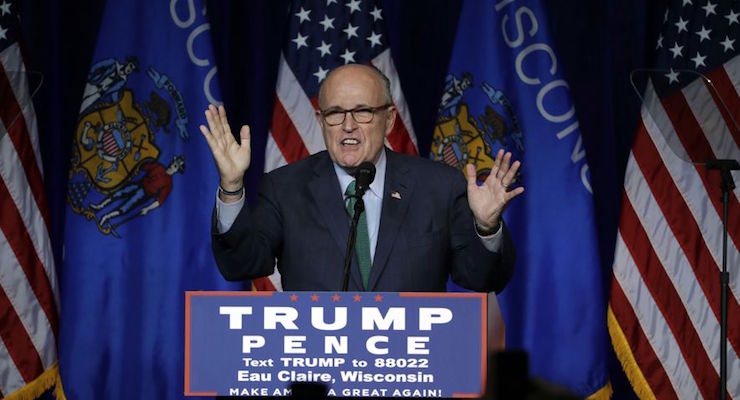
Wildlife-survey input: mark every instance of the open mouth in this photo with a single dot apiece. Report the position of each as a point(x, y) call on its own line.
point(350, 142)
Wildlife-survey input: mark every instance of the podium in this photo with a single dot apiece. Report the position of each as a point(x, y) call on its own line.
point(357, 344)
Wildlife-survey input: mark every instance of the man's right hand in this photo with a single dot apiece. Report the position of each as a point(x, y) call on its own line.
point(232, 159)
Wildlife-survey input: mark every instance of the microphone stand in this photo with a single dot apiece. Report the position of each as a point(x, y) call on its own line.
point(728, 184)
point(359, 208)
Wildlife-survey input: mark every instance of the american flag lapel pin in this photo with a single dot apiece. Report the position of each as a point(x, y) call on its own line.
point(396, 195)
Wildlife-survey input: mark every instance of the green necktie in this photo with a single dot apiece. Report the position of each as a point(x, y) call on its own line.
point(362, 242)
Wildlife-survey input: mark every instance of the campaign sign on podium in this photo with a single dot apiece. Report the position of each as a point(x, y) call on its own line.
point(358, 344)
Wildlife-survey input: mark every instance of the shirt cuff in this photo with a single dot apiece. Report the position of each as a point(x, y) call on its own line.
point(491, 242)
point(226, 213)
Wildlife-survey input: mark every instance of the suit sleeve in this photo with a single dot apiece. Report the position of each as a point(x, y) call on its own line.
point(248, 249)
point(473, 266)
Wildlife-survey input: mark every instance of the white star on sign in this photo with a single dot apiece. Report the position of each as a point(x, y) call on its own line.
point(709, 8)
point(2, 33)
point(685, 2)
point(659, 45)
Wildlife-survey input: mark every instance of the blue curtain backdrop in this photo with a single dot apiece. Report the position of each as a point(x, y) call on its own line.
point(598, 44)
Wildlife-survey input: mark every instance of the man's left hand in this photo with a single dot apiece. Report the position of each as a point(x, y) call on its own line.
point(488, 201)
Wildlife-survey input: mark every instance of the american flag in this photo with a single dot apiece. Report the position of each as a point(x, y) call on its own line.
point(29, 321)
point(324, 34)
point(664, 311)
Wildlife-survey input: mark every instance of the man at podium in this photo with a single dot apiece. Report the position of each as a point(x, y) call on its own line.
point(422, 222)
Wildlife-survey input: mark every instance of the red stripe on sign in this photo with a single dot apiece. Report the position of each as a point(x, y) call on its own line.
point(286, 135)
point(399, 138)
point(646, 359)
point(10, 112)
point(667, 299)
point(19, 240)
point(19, 344)
point(725, 94)
point(683, 226)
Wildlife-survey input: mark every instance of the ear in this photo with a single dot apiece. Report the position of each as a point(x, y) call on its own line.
point(319, 118)
point(390, 119)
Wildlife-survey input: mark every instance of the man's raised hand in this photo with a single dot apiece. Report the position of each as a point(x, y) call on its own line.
point(232, 158)
point(488, 201)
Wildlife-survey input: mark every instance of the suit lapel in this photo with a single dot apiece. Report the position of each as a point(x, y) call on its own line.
point(396, 195)
point(327, 196)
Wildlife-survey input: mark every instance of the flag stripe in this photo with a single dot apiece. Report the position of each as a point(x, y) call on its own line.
point(680, 225)
point(653, 267)
point(693, 192)
point(712, 117)
point(286, 136)
point(10, 378)
point(714, 124)
point(17, 185)
point(651, 320)
point(21, 297)
point(273, 156)
point(402, 138)
point(300, 108)
point(263, 284)
point(696, 144)
point(399, 140)
point(19, 240)
point(19, 345)
point(15, 125)
point(11, 59)
point(651, 367)
point(732, 69)
point(726, 94)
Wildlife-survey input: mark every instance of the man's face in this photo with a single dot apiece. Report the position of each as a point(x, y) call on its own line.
point(351, 143)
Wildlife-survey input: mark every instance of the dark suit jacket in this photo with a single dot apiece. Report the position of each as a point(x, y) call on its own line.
point(424, 237)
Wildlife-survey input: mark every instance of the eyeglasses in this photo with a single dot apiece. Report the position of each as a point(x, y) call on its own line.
point(361, 115)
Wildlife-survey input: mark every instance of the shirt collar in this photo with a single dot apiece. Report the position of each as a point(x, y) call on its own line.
point(376, 187)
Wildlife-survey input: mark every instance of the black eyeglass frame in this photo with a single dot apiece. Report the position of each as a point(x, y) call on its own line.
point(372, 110)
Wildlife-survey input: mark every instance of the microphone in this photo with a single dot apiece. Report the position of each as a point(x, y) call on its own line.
point(364, 175)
